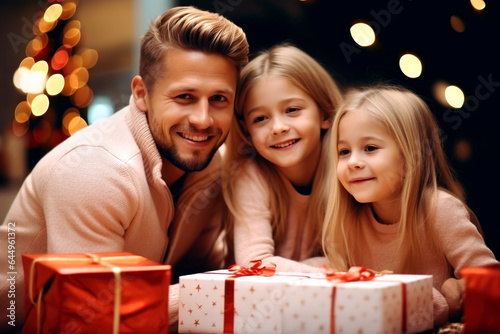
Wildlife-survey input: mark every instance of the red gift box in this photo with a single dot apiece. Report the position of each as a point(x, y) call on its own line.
point(482, 299)
point(95, 293)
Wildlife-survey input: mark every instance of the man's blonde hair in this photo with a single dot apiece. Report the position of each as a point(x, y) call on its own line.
point(189, 28)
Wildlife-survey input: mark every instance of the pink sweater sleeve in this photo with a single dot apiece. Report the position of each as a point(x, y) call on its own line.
point(457, 237)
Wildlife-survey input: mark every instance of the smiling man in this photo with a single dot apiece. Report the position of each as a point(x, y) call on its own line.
point(145, 180)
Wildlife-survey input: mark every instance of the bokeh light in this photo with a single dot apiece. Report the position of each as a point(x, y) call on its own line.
point(89, 58)
point(76, 123)
point(457, 24)
point(463, 150)
point(68, 9)
point(478, 4)
point(82, 97)
point(60, 59)
point(39, 105)
point(53, 12)
point(55, 84)
point(438, 90)
point(410, 65)
point(454, 96)
point(19, 129)
point(100, 108)
point(362, 34)
point(23, 112)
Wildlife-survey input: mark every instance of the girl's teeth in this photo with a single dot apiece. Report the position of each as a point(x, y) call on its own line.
point(286, 144)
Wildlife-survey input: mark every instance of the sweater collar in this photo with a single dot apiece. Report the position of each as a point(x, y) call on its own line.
point(137, 122)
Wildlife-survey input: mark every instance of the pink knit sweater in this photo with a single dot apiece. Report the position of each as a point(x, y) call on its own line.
point(102, 190)
point(457, 244)
point(253, 239)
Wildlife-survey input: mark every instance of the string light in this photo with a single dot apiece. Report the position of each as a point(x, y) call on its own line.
point(53, 70)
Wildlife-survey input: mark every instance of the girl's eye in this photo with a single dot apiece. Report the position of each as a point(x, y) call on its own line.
point(292, 109)
point(343, 152)
point(259, 119)
point(371, 148)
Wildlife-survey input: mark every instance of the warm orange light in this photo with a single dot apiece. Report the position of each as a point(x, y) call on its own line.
point(77, 123)
point(478, 4)
point(69, 9)
point(44, 26)
point(89, 58)
point(457, 24)
point(23, 112)
point(53, 13)
point(19, 129)
point(82, 97)
point(60, 59)
point(71, 37)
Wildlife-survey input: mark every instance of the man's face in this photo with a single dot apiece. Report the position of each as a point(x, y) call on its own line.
point(191, 106)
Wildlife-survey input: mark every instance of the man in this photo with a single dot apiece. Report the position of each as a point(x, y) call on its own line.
point(146, 180)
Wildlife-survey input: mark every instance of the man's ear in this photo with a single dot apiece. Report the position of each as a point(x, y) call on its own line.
point(140, 93)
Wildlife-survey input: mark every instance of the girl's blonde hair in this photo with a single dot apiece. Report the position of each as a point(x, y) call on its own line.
point(408, 118)
point(306, 73)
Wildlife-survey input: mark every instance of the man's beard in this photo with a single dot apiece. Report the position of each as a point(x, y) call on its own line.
point(193, 164)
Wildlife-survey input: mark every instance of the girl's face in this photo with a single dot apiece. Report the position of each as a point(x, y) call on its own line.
point(285, 125)
point(370, 163)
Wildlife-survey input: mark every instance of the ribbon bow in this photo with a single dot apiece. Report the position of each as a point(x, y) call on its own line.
point(354, 273)
point(255, 269)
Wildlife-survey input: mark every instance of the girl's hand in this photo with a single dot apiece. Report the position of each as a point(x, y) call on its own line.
point(453, 290)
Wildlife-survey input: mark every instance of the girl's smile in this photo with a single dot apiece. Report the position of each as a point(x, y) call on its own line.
point(285, 125)
point(286, 144)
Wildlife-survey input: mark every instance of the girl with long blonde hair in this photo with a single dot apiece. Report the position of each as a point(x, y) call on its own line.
point(394, 203)
point(274, 187)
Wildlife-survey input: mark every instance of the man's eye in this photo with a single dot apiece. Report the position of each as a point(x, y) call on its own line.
point(219, 98)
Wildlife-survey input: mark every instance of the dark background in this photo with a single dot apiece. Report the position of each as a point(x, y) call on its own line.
point(471, 135)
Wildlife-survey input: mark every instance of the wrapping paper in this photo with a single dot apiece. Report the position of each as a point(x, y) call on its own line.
point(481, 308)
point(95, 293)
point(256, 306)
point(386, 304)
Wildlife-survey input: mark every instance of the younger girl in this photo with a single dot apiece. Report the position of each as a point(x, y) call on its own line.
point(285, 102)
point(394, 203)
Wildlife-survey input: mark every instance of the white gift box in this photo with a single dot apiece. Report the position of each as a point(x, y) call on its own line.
point(386, 304)
point(257, 304)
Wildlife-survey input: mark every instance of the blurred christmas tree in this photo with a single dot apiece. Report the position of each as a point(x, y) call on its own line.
point(54, 76)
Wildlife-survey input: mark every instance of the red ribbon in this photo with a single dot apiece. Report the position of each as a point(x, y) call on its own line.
point(256, 269)
point(354, 274)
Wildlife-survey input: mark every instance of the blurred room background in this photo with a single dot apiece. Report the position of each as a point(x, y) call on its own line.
point(65, 64)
